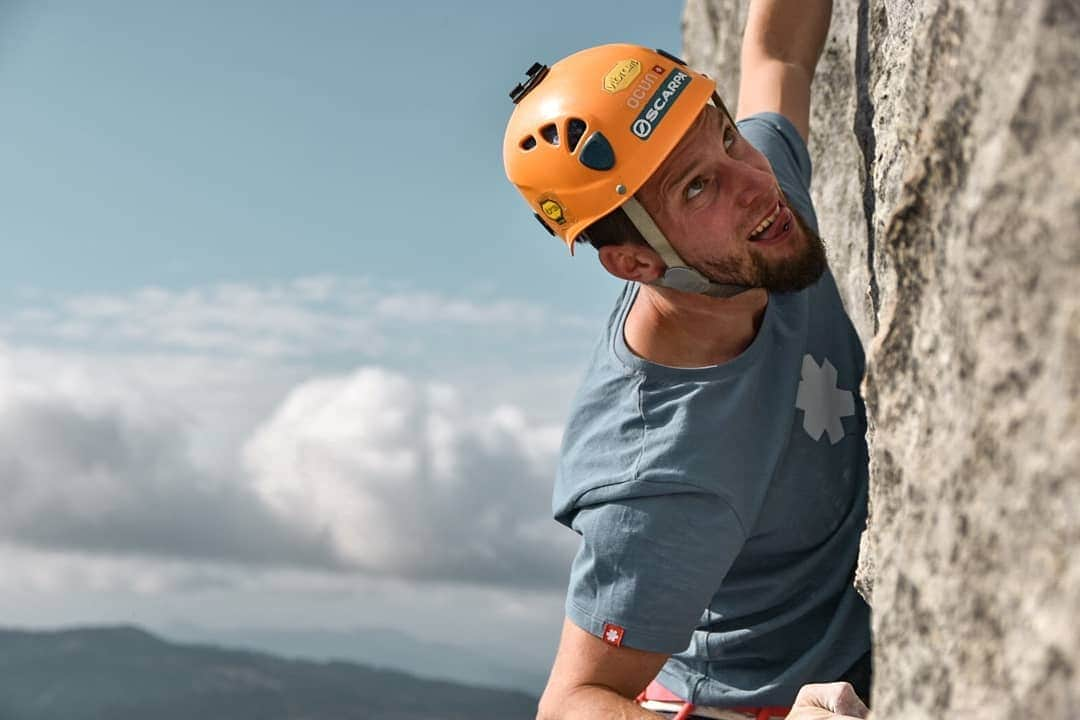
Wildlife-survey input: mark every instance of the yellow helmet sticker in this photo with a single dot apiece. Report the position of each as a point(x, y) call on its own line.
point(553, 210)
point(620, 76)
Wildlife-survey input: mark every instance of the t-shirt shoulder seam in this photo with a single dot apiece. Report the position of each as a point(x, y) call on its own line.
point(640, 393)
point(735, 512)
point(636, 475)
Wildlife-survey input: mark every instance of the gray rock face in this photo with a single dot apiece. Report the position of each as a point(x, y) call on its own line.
point(946, 143)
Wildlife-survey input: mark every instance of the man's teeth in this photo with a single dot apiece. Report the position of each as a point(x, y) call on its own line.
point(766, 222)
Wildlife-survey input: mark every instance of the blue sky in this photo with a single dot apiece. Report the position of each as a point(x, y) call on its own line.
point(279, 346)
point(153, 143)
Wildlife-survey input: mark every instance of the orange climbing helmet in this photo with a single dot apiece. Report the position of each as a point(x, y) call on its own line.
point(588, 132)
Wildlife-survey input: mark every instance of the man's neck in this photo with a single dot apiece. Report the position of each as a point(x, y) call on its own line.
point(686, 330)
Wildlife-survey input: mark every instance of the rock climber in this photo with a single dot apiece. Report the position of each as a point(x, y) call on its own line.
point(714, 462)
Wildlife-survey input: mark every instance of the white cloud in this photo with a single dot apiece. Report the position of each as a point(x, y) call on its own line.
point(429, 308)
point(38, 571)
point(408, 479)
point(86, 467)
point(299, 319)
point(372, 473)
point(233, 319)
point(152, 486)
point(201, 428)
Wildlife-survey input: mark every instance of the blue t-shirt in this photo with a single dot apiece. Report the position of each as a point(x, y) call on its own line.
point(720, 508)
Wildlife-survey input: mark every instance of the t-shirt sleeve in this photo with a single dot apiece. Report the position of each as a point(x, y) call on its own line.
point(778, 140)
point(642, 566)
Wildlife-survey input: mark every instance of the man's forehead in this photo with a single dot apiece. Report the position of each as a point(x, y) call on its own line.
point(686, 150)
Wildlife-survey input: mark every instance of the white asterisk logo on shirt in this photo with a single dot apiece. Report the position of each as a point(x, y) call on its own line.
point(822, 402)
point(612, 636)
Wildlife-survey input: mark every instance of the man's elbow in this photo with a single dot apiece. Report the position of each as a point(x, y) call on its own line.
point(549, 706)
point(559, 702)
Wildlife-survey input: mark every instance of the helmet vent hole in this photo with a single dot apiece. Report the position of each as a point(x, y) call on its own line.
point(550, 133)
point(528, 143)
point(575, 129)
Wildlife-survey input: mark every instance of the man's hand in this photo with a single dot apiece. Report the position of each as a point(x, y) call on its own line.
point(829, 701)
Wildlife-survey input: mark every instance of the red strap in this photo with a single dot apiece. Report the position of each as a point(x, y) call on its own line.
point(684, 712)
point(656, 691)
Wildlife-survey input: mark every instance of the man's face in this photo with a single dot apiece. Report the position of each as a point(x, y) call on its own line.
point(712, 196)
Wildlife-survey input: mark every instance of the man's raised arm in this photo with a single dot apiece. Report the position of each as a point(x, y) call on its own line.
point(781, 46)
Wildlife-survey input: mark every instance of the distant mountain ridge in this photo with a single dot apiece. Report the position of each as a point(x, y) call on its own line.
point(377, 647)
point(124, 672)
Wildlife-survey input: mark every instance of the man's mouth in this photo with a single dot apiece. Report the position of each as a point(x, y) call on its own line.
point(774, 226)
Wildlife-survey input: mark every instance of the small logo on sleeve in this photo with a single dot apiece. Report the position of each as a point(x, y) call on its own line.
point(613, 634)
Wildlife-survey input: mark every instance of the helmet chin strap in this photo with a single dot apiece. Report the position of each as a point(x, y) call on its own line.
point(679, 275)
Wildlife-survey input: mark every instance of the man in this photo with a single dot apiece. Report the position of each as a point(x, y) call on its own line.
point(715, 461)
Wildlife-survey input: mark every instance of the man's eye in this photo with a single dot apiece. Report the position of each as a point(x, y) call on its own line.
point(694, 187)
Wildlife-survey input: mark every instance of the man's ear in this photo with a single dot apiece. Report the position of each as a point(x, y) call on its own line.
point(630, 261)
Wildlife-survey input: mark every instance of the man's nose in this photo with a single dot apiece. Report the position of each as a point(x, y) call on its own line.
point(750, 184)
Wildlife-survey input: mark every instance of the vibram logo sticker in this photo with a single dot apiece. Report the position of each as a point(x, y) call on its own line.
point(620, 76)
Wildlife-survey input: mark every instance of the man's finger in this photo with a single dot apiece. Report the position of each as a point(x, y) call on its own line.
point(849, 703)
point(839, 698)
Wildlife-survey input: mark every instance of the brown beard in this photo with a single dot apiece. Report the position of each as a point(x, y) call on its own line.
point(780, 276)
